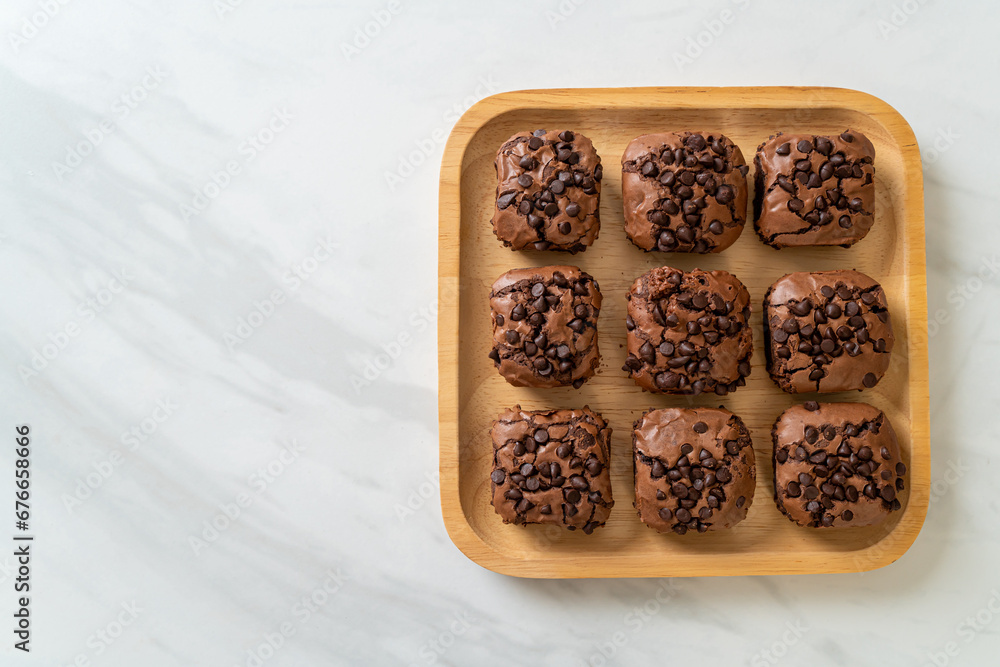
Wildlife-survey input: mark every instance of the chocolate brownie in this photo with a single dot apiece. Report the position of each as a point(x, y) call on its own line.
point(688, 332)
point(684, 192)
point(548, 191)
point(826, 331)
point(812, 190)
point(552, 466)
point(545, 326)
point(836, 464)
point(694, 469)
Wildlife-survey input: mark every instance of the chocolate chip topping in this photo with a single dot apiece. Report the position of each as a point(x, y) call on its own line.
point(545, 326)
point(684, 192)
point(694, 469)
point(814, 190)
point(826, 472)
point(689, 332)
point(827, 331)
point(548, 191)
point(561, 478)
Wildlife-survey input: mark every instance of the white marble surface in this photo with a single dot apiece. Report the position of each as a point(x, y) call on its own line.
point(136, 291)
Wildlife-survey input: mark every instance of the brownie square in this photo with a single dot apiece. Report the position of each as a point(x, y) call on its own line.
point(545, 326)
point(826, 331)
point(812, 190)
point(552, 466)
point(684, 192)
point(694, 469)
point(836, 464)
point(548, 191)
point(688, 333)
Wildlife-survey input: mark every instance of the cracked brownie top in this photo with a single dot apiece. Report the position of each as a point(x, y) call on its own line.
point(552, 466)
point(684, 192)
point(548, 191)
point(836, 464)
point(694, 469)
point(827, 331)
point(545, 326)
point(814, 190)
point(688, 332)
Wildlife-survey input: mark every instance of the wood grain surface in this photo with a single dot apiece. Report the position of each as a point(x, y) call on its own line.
point(472, 393)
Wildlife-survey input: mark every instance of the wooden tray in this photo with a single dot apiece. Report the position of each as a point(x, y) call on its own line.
point(472, 393)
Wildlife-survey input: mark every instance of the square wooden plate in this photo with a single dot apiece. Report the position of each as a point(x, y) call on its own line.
point(472, 393)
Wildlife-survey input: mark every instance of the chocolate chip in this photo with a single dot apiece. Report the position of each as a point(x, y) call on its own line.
point(695, 142)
